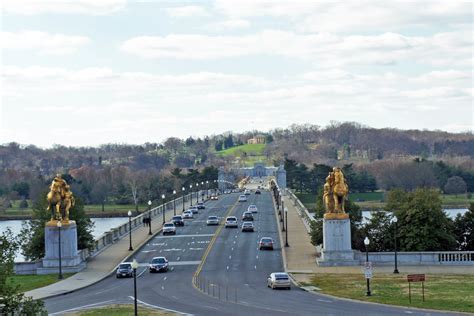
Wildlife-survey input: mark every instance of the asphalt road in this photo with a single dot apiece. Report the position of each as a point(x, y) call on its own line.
point(231, 280)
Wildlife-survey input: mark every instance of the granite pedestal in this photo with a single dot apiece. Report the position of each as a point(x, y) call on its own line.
point(337, 249)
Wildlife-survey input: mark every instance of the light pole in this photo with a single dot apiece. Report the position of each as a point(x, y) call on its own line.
point(60, 276)
point(286, 233)
point(395, 220)
point(134, 267)
point(191, 192)
point(207, 189)
point(174, 202)
point(183, 190)
point(163, 208)
point(366, 243)
point(197, 193)
point(130, 229)
point(149, 217)
point(282, 213)
point(202, 193)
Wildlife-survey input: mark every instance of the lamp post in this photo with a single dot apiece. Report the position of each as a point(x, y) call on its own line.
point(282, 214)
point(202, 193)
point(134, 267)
point(191, 192)
point(174, 202)
point(395, 220)
point(130, 229)
point(60, 276)
point(163, 208)
point(286, 233)
point(149, 217)
point(183, 189)
point(207, 189)
point(197, 193)
point(366, 243)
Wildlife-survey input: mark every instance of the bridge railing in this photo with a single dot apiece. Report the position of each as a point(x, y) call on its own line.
point(303, 212)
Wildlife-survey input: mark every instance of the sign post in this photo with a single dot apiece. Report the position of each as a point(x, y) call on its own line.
point(416, 278)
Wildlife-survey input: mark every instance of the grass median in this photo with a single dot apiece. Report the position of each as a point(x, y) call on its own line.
point(32, 281)
point(121, 310)
point(442, 292)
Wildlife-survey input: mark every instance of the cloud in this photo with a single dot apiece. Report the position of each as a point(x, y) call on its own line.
point(187, 11)
point(88, 7)
point(42, 43)
point(233, 24)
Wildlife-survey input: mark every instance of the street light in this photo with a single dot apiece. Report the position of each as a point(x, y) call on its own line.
point(207, 189)
point(395, 220)
point(366, 243)
point(60, 276)
point(163, 208)
point(134, 267)
point(183, 189)
point(149, 217)
point(282, 213)
point(202, 193)
point(191, 192)
point(197, 193)
point(286, 233)
point(174, 202)
point(130, 229)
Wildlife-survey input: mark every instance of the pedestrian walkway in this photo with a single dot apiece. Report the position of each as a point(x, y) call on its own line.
point(299, 258)
point(103, 264)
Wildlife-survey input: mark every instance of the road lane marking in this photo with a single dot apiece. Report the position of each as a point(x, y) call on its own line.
point(175, 263)
point(196, 248)
point(147, 251)
point(160, 307)
point(164, 279)
point(172, 249)
point(230, 257)
point(184, 236)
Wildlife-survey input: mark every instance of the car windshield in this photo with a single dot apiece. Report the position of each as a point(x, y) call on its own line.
point(252, 206)
point(267, 240)
point(169, 225)
point(248, 224)
point(212, 217)
point(125, 266)
point(176, 217)
point(231, 219)
point(281, 277)
point(158, 260)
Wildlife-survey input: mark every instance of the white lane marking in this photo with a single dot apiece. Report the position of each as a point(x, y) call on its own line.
point(172, 268)
point(232, 248)
point(227, 267)
point(203, 242)
point(257, 257)
point(255, 267)
point(147, 251)
point(162, 288)
point(177, 259)
point(81, 307)
point(234, 241)
point(160, 307)
point(172, 249)
point(184, 236)
point(196, 248)
point(325, 301)
point(184, 250)
point(159, 244)
point(408, 312)
point(164, 279)
point(141, 273)
point(230, 257)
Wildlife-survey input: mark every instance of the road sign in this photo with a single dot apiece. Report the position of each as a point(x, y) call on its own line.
point(368, 270)
point(416, 278)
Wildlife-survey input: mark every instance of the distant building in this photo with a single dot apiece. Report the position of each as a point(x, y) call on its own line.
point(258, 139)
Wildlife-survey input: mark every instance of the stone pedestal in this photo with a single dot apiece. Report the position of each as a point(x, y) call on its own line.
point(337, 249)
point(70, 259)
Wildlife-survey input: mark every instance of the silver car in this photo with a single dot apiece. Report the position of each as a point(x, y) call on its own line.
point(231, 221)
point(279, 280)
point(212, 220)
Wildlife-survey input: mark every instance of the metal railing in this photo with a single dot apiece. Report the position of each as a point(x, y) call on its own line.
point(216, 290)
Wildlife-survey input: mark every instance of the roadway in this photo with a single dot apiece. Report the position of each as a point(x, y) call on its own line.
point(231, 279)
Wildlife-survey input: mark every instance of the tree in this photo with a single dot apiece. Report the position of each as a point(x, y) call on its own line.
point(455, 185)
point(380, 231)
point(464, 230)
point(422, 224)
point(218, 145)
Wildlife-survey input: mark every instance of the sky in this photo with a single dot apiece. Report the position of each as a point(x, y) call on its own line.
point(91, 72)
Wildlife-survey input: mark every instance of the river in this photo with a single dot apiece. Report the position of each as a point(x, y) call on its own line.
point(101, 225)
point(451, 212)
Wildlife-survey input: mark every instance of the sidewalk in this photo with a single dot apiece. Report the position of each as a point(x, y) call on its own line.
point(299, 258)
point(105, 262)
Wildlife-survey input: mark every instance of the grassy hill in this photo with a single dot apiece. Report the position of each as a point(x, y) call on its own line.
point(248, 154)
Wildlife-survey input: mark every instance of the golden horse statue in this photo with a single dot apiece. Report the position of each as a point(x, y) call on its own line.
point(60, 200)
point(335, 194)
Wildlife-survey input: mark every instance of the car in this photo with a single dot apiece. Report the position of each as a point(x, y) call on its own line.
point(235, 191)
point(178, 220)
point(242, 198)
point(247, 227)
point(247, 192)
point(279, 280)
point(212, 220)
point(188, 215)
point(158, 264)
point(201, 206)
point(252, 208)
point(257, 191)
point(194, 209)
point(247, 216)
point(169, 228)
point(214, 197)
point(124, 270)
point(231, 221)
point(265, 243)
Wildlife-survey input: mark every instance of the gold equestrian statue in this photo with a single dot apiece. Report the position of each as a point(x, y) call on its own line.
point(335, 194)
point(60, 200)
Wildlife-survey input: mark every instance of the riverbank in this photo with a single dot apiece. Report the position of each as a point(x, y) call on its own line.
point(4, 217)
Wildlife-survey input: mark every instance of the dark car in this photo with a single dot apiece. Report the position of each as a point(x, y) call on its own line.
point(158, 264)
point(247, 216)
point(178, 220)
point(124, 270)
point(201, 206)
point(257, 191)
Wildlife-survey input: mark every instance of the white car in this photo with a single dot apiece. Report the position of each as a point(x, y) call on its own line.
point(279, 279)
point(242, 198)
point(188, 215)
point(252, 208)
point(169, 228)
point(231, 221)
point(212, 220)
point(193, 209)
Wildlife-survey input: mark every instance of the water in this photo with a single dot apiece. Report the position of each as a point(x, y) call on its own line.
point(451, 212)
point(101, 225)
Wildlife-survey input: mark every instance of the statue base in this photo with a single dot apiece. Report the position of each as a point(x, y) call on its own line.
point(336, 216)
point(69, 255)
point(337, 249)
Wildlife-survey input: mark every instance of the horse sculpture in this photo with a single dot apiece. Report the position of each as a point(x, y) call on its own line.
point(340, 190)
point(60, 199)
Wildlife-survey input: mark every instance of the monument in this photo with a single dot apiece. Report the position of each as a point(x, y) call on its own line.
point(337, 249)
point(60, 236)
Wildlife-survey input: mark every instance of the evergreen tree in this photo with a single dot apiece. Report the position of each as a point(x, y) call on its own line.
point(464, 230)
point(380, 231)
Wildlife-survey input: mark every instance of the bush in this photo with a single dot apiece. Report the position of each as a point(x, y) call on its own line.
point(23, 204)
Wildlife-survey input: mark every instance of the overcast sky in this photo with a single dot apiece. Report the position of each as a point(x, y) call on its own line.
point(88, 72)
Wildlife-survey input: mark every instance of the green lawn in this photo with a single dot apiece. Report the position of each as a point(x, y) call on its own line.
point(442, 292)
point(32, 281)
point(250, 149)
point(121, 310)
point(367, 196)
